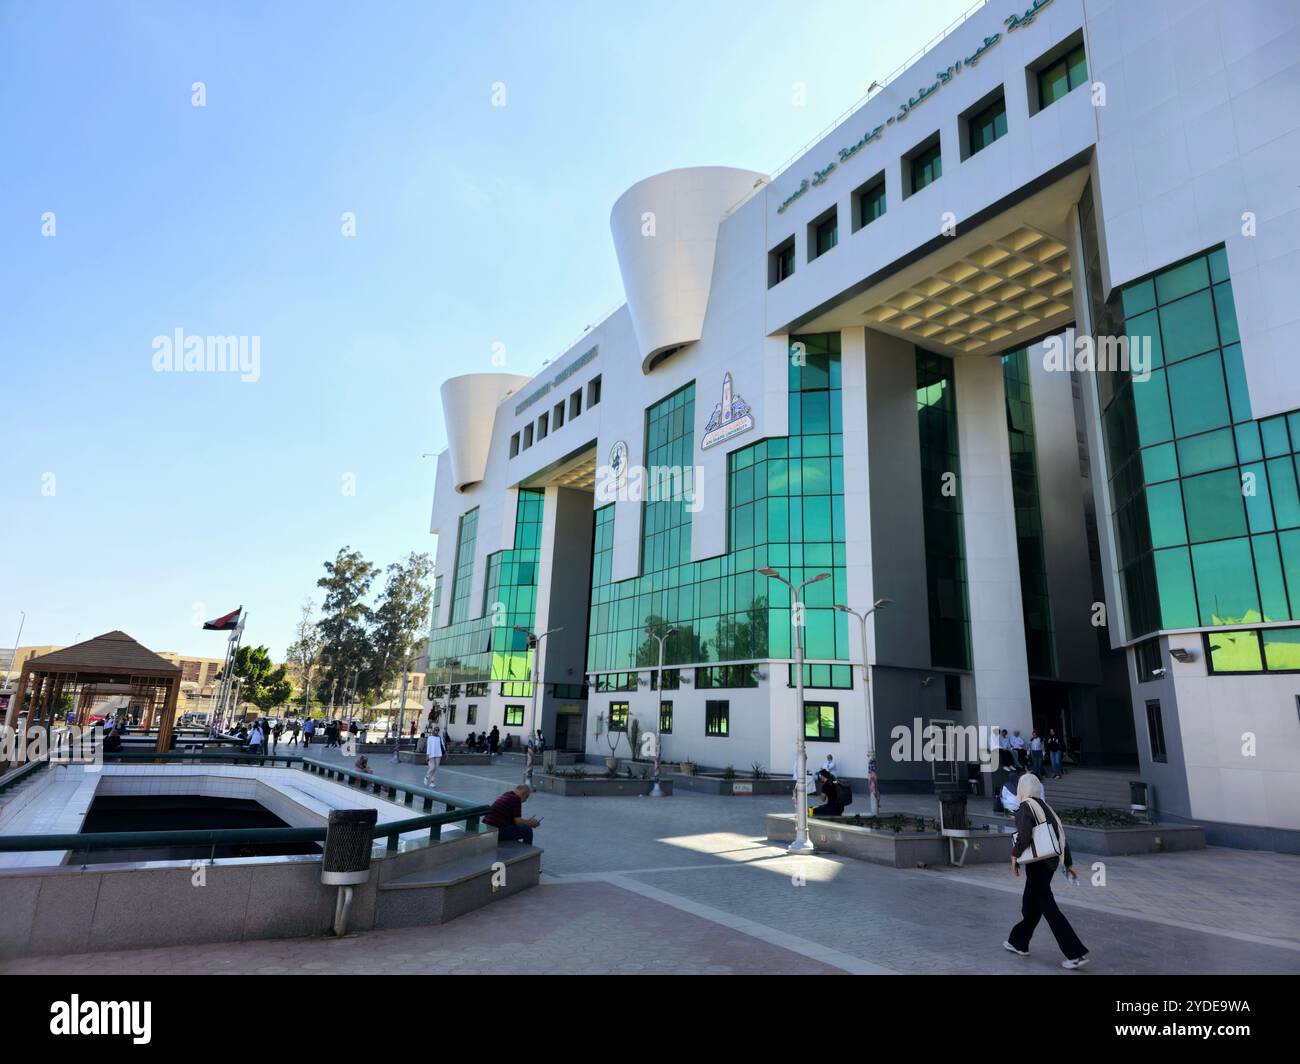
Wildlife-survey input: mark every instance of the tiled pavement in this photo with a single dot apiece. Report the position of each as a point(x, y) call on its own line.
point(687, 884)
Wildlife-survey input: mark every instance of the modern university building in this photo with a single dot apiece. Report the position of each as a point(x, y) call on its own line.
point(1012, 346)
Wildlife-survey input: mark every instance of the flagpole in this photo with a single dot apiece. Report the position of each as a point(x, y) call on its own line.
point(236, 639)
point(219, 701)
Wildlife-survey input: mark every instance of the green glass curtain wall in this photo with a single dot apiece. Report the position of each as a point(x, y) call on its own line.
point(945, 550)
point(1040, 647)
point(785, 509)
point(1204, 497)
point(486, 647)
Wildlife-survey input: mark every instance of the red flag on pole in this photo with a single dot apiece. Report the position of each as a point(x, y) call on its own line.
point(225, 623)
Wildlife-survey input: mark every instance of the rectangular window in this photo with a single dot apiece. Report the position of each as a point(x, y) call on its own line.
point(869, 201)
point(514, 716)
point(823, 675)
point(514, 445)
point(471, 715)
point(451, 715)
point(672, 679)
point(543, 426)
point(575, 404)
point(528, 436)
point(1062, 76)
point(593, 392)
point(717, 718)
point(726, 676)
point(821, 721)
point(926, 167)
point(1156, 731)
point(557, 415)
point(952, 692)
point(1234, 651)
point(780, 263)
point(823, 234)
point(1147, 659)
point(986, 126)
point(618, 714)
point(666, 717)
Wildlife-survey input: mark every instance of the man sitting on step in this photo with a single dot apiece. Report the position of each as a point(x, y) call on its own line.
point(507, 816)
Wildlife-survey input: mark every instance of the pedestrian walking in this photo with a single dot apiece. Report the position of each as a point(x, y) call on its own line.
point(1039, 846)
point(276, 733)
point(294, 728)
point(433, 752)
point(1054, 752)
point(308, 730)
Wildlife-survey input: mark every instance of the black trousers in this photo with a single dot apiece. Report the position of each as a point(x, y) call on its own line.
point(1039, 903)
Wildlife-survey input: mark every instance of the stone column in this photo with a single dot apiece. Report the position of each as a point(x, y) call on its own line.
point(997, 626)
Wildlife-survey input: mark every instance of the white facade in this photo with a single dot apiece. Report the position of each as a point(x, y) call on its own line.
point(1186, 135)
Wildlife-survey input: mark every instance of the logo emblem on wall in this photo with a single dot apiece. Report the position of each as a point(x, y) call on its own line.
point(618, 464)
point(730, 418)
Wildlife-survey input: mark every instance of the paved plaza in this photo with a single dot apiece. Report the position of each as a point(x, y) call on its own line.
point(688, 885)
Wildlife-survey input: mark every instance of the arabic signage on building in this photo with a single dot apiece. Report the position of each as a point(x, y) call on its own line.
point(1012, 23)
point(559, 378)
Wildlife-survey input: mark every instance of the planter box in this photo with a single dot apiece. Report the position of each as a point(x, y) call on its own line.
point(552, 758)
point(738, 786)
point(905, 849)
point(970, 846)
point(1126, 841)
point(596, 786)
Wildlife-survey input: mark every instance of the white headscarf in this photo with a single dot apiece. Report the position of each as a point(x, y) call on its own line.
point(1029, 787)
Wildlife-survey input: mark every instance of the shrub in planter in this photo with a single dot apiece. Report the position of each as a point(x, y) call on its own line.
point(728, 773)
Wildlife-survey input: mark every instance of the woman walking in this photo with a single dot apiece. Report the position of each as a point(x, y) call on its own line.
point(1039, 838)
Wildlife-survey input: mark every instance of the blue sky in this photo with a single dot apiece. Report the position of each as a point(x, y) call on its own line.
point(175, 495)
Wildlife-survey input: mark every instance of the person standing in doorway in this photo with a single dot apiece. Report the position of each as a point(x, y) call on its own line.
point(1032, 817)
point(1036, 753)
point(433, 756)
point(1054, 752)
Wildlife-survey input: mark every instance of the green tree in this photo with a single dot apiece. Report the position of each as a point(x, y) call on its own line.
point(399, 621)
point(304, 653)
point(345, 620)
point(262, 681)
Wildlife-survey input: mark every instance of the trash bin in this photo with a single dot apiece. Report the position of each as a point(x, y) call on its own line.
point(1137, 797)
point(346, 861)
point(952, 808)
point(348, 843)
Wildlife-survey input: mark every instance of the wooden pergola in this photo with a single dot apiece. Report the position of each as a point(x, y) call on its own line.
point(109, 664)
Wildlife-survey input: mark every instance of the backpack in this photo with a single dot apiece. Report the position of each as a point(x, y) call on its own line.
point(843, 793)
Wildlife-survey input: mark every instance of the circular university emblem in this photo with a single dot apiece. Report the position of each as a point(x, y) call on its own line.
point(618, 461)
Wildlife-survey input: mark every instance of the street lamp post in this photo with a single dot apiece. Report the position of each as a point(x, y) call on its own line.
point(535, 645)
point(656, 791)
point(873, 786)
point(401, 713)
point(801, 844)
